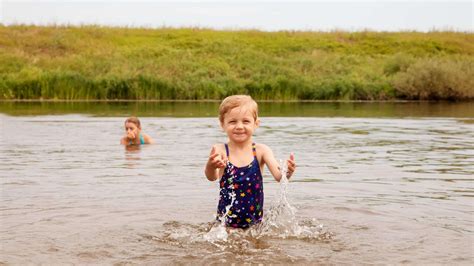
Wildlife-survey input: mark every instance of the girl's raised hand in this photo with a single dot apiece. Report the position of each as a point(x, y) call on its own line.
point(291, 165)
point(130, 136)
point(216, 160)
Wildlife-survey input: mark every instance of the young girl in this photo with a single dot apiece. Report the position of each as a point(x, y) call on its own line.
point(239, 163)
point(133, 134)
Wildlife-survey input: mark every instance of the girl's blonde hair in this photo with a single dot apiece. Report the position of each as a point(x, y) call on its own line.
point(133, 120)
point(234, 101)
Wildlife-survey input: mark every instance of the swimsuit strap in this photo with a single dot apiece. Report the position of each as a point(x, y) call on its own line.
point(226, 150)
point(254, 150)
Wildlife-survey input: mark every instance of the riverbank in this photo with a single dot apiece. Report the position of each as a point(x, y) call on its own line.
point(102, 63)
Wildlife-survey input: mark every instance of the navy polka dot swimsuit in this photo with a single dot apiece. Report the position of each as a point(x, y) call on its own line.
point(247, 185)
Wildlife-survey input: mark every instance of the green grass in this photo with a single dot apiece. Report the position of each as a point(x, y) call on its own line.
point(93, 62)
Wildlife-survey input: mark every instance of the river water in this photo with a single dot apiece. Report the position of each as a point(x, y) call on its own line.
point(380, 189)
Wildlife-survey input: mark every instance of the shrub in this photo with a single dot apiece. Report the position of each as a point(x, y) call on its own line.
point(438, 79)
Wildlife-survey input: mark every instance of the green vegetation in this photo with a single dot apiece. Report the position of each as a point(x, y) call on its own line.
point(92, 62)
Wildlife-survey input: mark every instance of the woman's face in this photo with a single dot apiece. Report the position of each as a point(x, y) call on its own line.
point(132, 130)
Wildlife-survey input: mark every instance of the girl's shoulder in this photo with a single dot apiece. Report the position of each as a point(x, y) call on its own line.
point(261, 147)
point(262, 150)
point(219, 147)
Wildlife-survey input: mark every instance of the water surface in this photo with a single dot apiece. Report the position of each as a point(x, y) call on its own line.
point(383, 190)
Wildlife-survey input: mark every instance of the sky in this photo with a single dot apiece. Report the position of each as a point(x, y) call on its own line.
point(316, 15)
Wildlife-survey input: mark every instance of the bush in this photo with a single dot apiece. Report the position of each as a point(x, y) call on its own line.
point(438, 79)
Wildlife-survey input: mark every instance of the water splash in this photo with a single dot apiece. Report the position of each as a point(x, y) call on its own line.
point(219, 232)
point(281, 221)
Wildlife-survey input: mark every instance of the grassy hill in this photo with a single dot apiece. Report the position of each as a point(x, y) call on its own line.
point(93, 62)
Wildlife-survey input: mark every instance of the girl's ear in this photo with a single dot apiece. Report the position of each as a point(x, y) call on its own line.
point(257, 122)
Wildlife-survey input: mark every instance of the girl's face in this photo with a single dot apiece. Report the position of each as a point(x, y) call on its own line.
point(239, 124)
point(132, 130)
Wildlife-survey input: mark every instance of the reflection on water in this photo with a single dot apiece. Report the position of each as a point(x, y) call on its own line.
point(386, 190)
point(209, 109)
point(132, 155)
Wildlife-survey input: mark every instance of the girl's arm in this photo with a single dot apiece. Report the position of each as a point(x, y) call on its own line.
point(215, 164)
point(274, 166)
